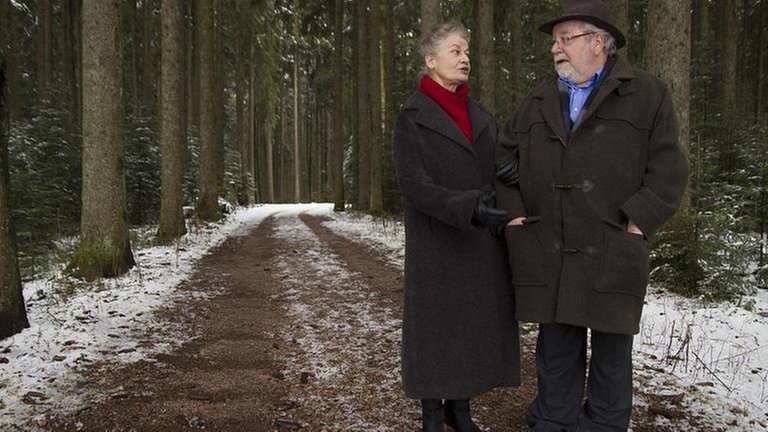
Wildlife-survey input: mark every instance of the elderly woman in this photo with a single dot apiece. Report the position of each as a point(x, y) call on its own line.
point(460, 335)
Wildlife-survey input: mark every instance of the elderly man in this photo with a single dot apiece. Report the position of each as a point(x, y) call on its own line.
point(600, 171)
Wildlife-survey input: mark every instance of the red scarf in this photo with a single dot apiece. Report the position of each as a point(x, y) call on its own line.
point(453, 103)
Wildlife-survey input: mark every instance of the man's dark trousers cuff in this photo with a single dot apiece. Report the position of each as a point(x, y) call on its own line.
point(561, 353)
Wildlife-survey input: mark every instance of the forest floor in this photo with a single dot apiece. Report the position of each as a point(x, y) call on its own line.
point(301, 331)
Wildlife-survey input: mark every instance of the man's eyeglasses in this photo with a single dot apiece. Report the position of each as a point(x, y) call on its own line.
point(567, 40)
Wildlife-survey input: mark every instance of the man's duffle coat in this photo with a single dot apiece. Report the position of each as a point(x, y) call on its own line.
point(573, 261)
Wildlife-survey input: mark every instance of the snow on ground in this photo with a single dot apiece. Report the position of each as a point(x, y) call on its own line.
point(386, 236)
point(711, 359)
point(346, 339)
point(74, 324)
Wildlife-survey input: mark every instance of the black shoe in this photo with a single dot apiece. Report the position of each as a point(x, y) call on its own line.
point(432, 415)
point(457, 416)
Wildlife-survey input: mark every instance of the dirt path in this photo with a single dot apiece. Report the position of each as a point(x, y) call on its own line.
point(306, 336)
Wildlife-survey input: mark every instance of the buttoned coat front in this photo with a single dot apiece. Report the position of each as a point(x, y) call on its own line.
point(573, 261)
point(459, 332)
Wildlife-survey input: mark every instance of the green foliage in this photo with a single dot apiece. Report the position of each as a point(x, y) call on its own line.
point(98, 257)
point(234, 189)
point(730, 217)
point(142, 155)
point(45, 174)
point(192, 164)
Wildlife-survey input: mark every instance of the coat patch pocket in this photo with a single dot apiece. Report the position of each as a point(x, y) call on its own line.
point(525, 253)
point(624, 267)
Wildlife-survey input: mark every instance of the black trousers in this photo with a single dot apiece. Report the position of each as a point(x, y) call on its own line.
point(561, 359)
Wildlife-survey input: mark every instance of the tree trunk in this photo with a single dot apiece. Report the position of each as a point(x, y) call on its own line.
point(431, 15)
point(389, 180)
point(284, 179)
point(352, 170)
point(240, 84)
point(668, 55)
point(70, 23)
point(376, 204)
point(296, 120)
point(105, 248)
point(207, 201)
point(728, 61)
point(337, 170)
point(703, 16)
point(515, 26)
point(257, 153)
point(317, 144)
point(131, 78)
point(269, 193)
point(13, 314)
point(486, 58)
point(171, 131)
point(760, 105)
point(364, 113)
point(10, 48)
point(146, 57)
point(43, 48)
point(193, 87)
point(250, 142)
point(195, 48)
point(620, 10)
point(218, 87)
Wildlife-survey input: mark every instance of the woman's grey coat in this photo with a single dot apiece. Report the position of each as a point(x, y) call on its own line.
point(459, 331)
point(574, 261)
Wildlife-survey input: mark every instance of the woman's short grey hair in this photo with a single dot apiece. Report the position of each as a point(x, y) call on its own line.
point(430, 42)
point(609, 48)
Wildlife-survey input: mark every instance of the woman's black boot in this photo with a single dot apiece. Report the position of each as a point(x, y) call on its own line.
point(457, 416)
point(432, 415)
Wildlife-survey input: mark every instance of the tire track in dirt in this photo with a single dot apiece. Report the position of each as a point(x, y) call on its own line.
point(344, 371)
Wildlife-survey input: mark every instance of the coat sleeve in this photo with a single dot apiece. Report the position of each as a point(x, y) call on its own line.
point(453, 207)
point(509, 198)
point(666, 173)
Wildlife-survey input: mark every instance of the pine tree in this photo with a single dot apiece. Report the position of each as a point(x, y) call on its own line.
point(171, 124)
point(337, 169)
point(13, 315)
point(207, 200)
point(105, 248)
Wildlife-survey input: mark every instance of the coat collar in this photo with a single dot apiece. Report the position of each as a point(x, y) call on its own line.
point(620, 78)
point(431, 116)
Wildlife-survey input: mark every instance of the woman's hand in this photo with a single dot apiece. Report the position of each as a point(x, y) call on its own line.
point(486, 214)
point(516, 221)
point(508, 173)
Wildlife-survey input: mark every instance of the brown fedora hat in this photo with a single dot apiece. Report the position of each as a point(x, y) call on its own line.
point(596, 12)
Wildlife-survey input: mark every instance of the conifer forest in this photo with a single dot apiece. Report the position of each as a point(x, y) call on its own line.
point(119, 114)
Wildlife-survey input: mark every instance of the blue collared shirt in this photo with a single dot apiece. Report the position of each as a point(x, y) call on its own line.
point(579, 95)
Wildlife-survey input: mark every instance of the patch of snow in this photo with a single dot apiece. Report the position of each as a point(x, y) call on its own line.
point(715, 355)
point(345, 338)
point(386, 236)
point(75, 324)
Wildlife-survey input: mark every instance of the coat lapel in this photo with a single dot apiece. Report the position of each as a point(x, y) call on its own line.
point(478, 118)
point(551, 111)
point(621, 73)
point(433, 117)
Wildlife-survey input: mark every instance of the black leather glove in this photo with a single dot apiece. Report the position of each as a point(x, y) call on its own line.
point(485, 214)
point(509, 173)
